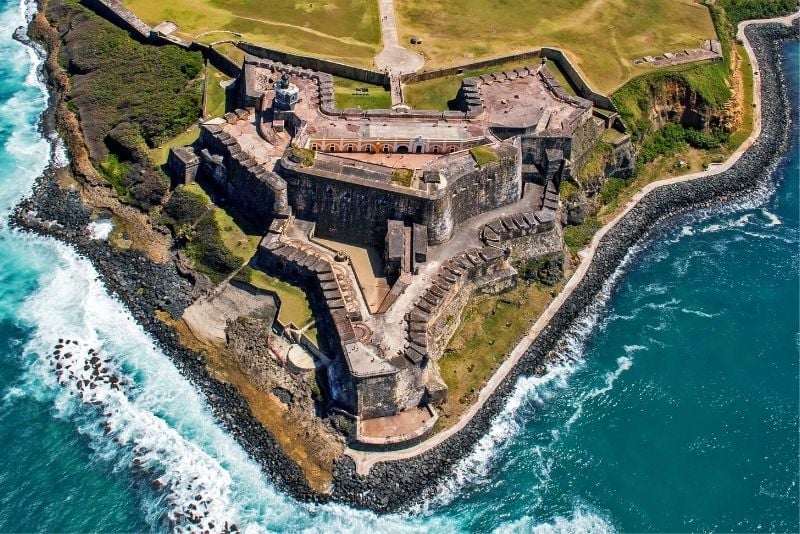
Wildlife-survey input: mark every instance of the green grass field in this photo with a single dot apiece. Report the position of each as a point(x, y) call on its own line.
point(342, 30)
point(348, 96)
point(603, 37)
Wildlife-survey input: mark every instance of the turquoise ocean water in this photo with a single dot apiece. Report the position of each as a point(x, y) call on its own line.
point(676, 410)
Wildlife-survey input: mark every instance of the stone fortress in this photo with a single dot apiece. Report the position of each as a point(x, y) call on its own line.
point(455, 200)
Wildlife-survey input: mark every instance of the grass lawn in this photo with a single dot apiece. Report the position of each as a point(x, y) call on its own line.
point(347, 96)
point(159, 154)
point(242, 245)
point(490, 328)
point(343, 30)
point(603, 37)
point(233, 52)
point(215, 93)
point(294, 303)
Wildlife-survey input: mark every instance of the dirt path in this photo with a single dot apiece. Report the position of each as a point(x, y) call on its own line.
point(365, 460)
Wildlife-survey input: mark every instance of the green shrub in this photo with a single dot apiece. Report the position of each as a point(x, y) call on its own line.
point(184, 207)
point(157, 89)
point(567, 189)
point(611, 189)
point(577, 237)
point(739, 10)
point(304, 156)
point(209, 252)
point(114, 171)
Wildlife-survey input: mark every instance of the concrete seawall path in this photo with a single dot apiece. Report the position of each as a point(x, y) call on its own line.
point(364, 460)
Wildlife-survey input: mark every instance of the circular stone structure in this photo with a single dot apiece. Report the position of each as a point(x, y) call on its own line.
point(299, 359)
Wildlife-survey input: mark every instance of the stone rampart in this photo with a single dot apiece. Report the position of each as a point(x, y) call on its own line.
point(415, 77)
point(121, 16)
point(436, 315)
point(351, 206)
point(255, 189)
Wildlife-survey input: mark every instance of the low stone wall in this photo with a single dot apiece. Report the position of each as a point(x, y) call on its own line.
point(662, 202)
point(415, 77)
point(217, 59)
point(121, 16)
point(317, 64)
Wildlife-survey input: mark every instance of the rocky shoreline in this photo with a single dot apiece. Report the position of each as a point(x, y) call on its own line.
point(392, 486)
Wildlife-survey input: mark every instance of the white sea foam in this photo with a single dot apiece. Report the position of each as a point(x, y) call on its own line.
point(774, 220)
point(623, 364)
point(582, 521)
point(698, 313)
point(100, 229)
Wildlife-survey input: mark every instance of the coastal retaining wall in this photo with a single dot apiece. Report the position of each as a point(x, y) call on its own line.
point(438, 462)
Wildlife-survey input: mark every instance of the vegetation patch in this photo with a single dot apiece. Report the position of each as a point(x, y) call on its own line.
point(739, 10)
point(185, 207)
point(490, 327)
point(403, 177)
point(611, 189)
point(567, 190)
point(304, 156)
point(577, 237)
point(216, 96)
point(294, 305)
point(483, 155)
point(354, 94)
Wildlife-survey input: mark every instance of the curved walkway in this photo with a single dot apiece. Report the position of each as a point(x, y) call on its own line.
point(365, 460)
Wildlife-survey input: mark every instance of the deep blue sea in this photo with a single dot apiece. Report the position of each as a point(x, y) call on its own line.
point(677, 409)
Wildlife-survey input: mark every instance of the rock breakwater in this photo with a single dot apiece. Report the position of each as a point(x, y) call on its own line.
point(146, 288)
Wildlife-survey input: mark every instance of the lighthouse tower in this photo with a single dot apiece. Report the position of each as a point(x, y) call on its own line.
point(286, 93)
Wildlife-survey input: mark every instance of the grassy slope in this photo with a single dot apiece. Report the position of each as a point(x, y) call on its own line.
point(490, 327)
point(603, 36)
point(345, 30)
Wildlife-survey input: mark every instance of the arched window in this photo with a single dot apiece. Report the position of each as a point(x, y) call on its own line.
point(368, 149)
point(332, 148)
point(314, 146)
point(451, 149)
point(385, 149)
point(436, 150)
point(402, 149)
point(349, 148)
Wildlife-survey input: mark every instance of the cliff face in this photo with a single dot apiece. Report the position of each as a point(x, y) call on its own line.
point(675, 101)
